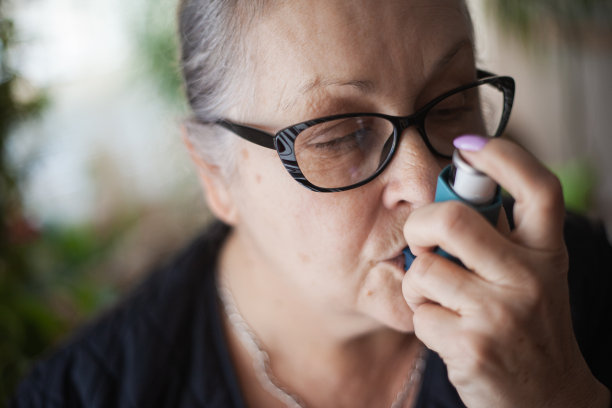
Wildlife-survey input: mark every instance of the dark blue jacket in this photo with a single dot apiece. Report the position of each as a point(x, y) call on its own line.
point(163, 346)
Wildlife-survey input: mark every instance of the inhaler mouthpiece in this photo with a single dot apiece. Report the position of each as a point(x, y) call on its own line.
point(470, 184)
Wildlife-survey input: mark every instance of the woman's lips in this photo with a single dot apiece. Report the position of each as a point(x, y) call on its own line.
point(398, 261)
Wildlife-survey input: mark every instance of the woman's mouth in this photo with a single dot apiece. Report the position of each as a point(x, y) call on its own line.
point(398, 261)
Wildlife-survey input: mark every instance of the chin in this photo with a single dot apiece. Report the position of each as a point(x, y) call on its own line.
point(401, 323)
point(390, 312)
point(381, 299)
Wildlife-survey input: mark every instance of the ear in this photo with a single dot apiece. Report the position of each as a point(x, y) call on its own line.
point(216, 189)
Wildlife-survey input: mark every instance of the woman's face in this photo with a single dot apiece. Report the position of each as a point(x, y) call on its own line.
point(341, 251)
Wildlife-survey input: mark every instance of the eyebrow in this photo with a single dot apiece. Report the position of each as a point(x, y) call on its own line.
point(364, 86)
point(367, 86)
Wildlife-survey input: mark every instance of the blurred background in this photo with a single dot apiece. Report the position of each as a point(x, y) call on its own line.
point(96, 188)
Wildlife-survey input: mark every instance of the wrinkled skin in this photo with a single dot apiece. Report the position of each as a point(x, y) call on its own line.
point(316, 275)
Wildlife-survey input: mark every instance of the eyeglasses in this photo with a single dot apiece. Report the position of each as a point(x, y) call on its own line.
point(341, 152)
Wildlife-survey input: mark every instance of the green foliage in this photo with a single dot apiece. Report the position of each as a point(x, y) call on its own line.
point(579, 179)
point(46, 286)
point(12, 110)
point(565, 23)
point(569, 16)
point(14, 337)
point(157, 44)
point(50, 276)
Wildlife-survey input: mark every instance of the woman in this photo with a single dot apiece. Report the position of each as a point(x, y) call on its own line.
point(303, 300)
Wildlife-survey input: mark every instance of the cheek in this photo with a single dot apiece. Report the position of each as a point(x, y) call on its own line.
point(320, 242)
point(315, 231)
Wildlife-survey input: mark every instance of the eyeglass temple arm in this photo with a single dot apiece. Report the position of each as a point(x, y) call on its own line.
point(502, 83)
point(507, 86)
point(481, 73)
point(248, 133)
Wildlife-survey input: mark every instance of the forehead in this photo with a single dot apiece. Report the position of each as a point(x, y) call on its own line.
point(304, 48)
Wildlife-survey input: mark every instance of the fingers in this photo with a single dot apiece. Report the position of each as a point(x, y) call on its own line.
point(432, 278)
point(496, 324)
point(463, 232)
point(539, 210)
point(434, 326)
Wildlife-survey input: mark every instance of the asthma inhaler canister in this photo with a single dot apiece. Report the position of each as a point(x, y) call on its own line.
point(461, 182)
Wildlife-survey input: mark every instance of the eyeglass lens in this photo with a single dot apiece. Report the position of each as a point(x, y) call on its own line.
point(346, 151)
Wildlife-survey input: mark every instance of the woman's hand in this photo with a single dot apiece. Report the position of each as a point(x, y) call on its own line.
point(503, 325)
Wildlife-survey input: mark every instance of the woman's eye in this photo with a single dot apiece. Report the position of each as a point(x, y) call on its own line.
point(350, 140)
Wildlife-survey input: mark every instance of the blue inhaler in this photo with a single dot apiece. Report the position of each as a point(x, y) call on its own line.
point(460, 181)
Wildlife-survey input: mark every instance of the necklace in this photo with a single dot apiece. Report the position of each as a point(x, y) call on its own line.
point(261, 359)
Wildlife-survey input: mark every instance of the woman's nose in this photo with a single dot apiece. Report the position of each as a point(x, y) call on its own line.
point(411, 175)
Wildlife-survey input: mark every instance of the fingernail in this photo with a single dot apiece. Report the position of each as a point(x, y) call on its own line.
point(470, 143)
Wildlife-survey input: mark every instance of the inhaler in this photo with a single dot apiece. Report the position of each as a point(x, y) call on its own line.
point(460, 181)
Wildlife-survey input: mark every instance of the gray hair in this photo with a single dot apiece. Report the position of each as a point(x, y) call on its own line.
point(214, 65)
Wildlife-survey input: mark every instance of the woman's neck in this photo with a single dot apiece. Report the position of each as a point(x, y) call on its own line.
point(309, 344)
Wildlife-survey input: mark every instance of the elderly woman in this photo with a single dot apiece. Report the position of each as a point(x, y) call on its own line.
point(319, 130)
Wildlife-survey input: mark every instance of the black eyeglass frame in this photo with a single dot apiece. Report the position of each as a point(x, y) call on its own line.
point(284, 140)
